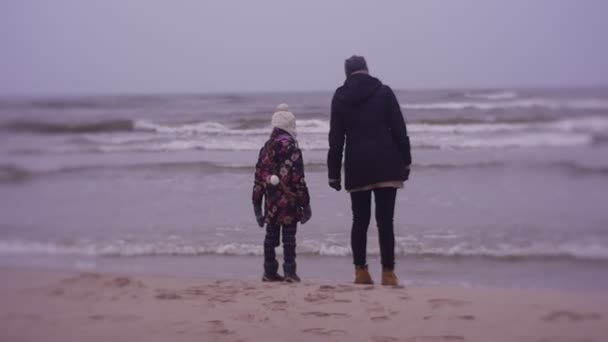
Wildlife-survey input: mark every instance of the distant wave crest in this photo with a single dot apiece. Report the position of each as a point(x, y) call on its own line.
point(119, 125)
point(505, 103)
point(498, 95)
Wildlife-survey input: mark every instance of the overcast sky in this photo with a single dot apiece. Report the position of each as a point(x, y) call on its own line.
point(137, 46)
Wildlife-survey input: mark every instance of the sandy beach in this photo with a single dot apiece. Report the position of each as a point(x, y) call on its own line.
point(44, 305)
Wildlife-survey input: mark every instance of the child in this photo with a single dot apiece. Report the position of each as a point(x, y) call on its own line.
point(279, 179)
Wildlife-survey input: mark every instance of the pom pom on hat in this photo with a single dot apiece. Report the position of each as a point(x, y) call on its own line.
point(284, 119)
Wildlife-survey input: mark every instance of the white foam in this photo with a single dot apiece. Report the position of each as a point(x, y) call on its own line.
point(207, 127)
point(312, 126)
point(513, 141)
point(313, 136)
point(465, 128)
point(404, 247)
point(552, 104)
point(204, 127)
point(501, 95)
point(588, 124)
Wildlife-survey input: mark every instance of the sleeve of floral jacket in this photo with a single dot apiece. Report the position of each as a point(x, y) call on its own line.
point(294, 164)
point(260, 177)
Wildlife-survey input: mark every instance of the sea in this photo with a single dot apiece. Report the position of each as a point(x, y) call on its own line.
point(508, 188)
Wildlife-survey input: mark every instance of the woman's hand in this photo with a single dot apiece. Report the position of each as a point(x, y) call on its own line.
point(335, 183)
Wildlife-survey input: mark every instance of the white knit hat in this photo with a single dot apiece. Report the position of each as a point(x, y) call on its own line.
point(284, 119)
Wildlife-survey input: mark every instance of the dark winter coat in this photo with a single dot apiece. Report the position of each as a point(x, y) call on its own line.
point(367, 116)
point(283, 203)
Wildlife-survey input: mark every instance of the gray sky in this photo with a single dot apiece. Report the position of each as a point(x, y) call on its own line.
point(91, 46)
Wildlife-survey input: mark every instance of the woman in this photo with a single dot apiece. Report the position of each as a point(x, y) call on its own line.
point(366, 114)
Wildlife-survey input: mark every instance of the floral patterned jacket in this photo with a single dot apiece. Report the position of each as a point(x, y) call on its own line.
point(283, 203)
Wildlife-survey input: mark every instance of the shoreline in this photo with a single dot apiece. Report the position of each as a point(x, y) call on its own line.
point(575, 277)
point(96, 306)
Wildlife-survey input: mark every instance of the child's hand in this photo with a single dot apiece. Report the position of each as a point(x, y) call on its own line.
point(259, 217)
point(306, 214)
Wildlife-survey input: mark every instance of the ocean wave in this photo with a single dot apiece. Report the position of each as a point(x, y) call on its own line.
point(193, 128)
point(13, 174)
point(580, 169)
point(521, 140)
point(594, 124)
point(320, 126)
point(466, 128)
point(499, 95)
point(119, 136)
point(575, 104)
point(24, 126)
point(305, 126)
point(249, 127)
point(10, 173)
point(179, 247)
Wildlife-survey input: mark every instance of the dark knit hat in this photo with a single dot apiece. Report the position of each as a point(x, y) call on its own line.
point(354, 63)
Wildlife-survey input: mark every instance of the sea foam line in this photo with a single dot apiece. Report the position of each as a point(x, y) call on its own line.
point(120, 248)
point(574, 104)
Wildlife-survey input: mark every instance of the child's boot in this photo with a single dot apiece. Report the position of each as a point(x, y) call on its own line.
point(270, 271)
point(362, 275)
point(388, 277)
point(290, 273)
point(272, 277)
point(292, 278)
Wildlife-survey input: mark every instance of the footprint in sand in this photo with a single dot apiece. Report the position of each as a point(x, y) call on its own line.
point(114, 318)
point(446, 338)
point(336, 289)
point(196, 291)
point(380, 318)
point(122, 282)
point(437, 303)
point(164, 294)
point(375, 308)
point(245, 317)
point(384, 339)
point(342, 301)
point(222, 299)
point(276, 305)
point(460, 317)
point(317, 297)
point(325, 314)
point(82, 277)
point(56, 292)
point(326, 288)
point(566, 339)
point(321, 331)
point(218, 327)
point(27, 317)
point(567, 315)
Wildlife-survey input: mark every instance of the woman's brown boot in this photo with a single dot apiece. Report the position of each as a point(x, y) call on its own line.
point(389, 278)
point(362, 275)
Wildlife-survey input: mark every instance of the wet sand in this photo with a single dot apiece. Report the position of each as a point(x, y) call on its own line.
point(72, 306)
